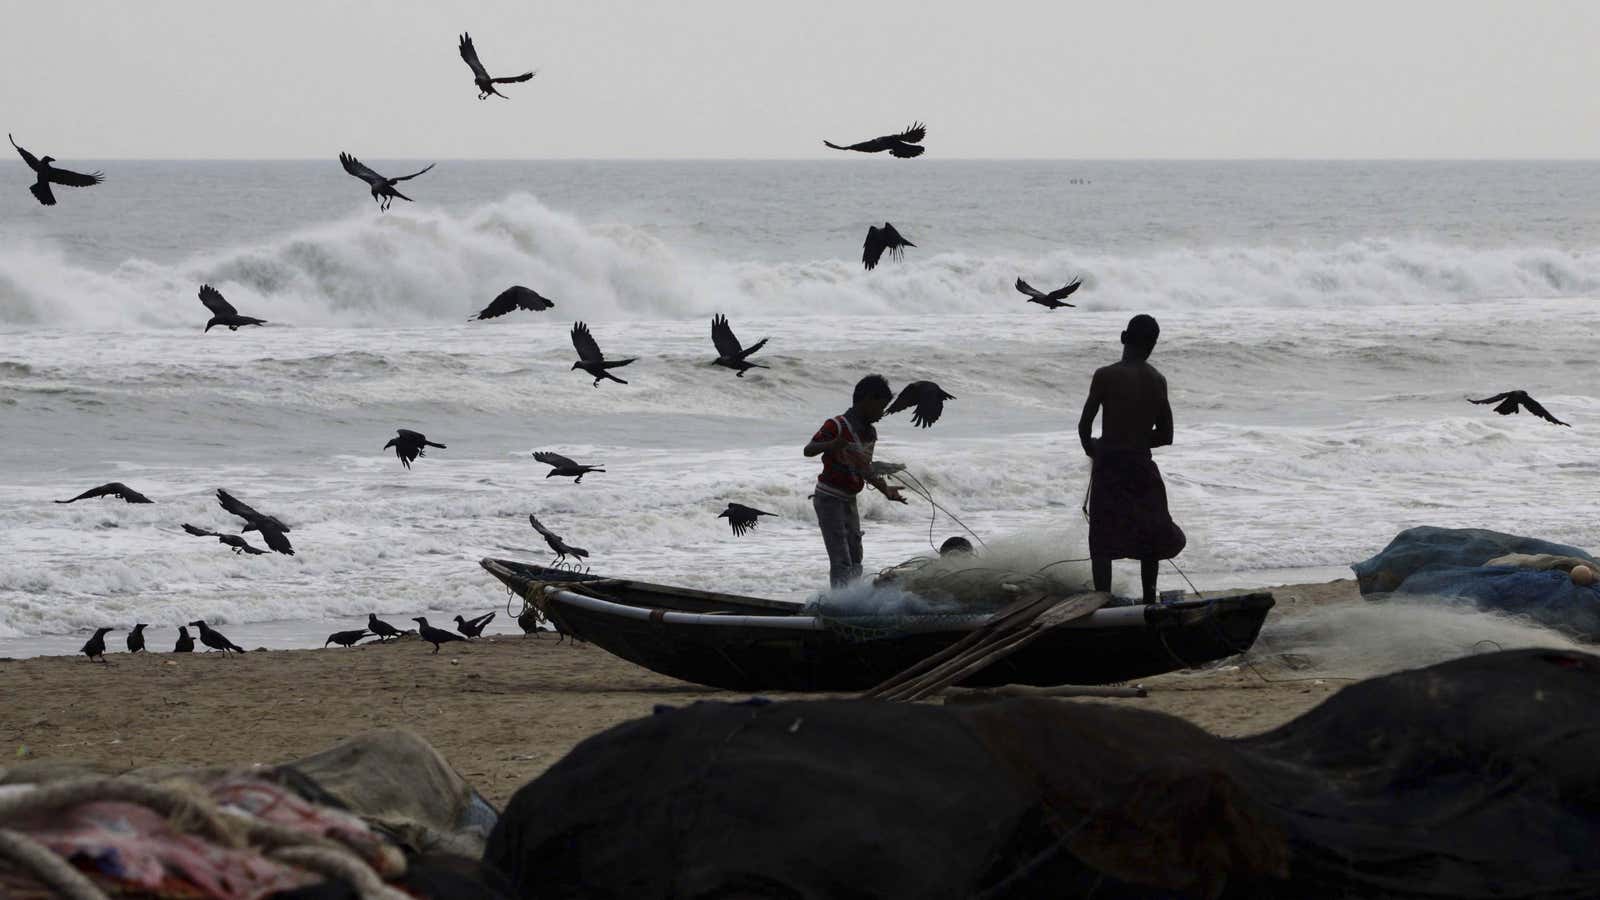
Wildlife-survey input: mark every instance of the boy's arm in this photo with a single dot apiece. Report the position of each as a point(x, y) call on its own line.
point(827, 438)
point(1091, 408)
point(1161, 435)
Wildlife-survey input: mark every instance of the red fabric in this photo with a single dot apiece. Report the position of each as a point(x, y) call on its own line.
point(835, 474)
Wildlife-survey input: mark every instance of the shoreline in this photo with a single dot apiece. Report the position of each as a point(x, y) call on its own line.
point(501, 710)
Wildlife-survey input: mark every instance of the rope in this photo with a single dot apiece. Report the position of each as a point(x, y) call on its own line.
point(51, 870)
point(907, 480)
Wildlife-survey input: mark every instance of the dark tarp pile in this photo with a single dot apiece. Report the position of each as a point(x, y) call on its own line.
point(1453, 563)
point(1475, 778)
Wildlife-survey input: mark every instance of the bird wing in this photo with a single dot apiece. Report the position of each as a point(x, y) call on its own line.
point(75, 179)
point(1495, 399)
point(199, 532)
point(1538, 409)
point(1028, 289)
point(128, 494)
point(584, 343)
point(525, 298)
point(1065, 291)
point(29, 158)
point(409, 435)
point(275, 537)
point(416, 173)
point(722, 336)
point(554, 459)
point(359, 169)
point(872, 248)
point(548, 534)
point(914, 134)
point(470, 54)
point(483, 620)
point(514, 79)
point(243, 511)
point(905, 151)
point(892, 238)
point(215, 302)
point(873, 146)
point(927, 397)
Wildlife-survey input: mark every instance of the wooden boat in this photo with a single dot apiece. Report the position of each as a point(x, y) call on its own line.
point(755, 644)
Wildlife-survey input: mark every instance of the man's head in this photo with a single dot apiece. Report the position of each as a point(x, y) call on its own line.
point(957, 544)
point(1140, 336)
point(871, 397)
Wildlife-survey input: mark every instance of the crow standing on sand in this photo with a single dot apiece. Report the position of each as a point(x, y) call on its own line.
point(96, 646)
point(473, 627)
point(408, 445)
point(49, 174)
point(1052, 300)
point(240, 545)
point(741, 517)
point(480, 76)
point(730, 353)
point(346, 639)
point(590, 359)
point(564, 467)
point(222, 312)
point(111, 489)
point(904, 145)
point(185, 642)
point(562, 548)
point(432, 635)
point(379, 627)
point(514, 298)
point(879, 240)
point(1511, 400)
point(927, 397)
point(136, 638)
point(273, 531)
point(216, 640)
point(382, 188)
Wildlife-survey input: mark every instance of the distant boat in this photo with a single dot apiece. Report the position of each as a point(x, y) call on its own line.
point(755, 644)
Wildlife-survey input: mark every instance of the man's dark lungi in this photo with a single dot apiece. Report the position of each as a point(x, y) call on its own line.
point(1128, 517)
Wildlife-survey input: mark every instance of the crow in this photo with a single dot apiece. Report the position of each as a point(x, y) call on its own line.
point(566, 468)
point(741, 517)
point(96, 646)
point(473, 627)
point(590, 359)
point(1053, 299)
point(382, 188)
point(529, 620)
point(49, 174)
point(185, 642)
point(730, 353)
point(879, 240)
point(136, 638)
point(273, 531)
point(904, 145)
point(408, 445)
point(216, 640)
point(346, 639)
point(379, 627)
point(927, 397)
point(562, 548)
point(111, 489)
point(240, 545)
point(434, 636)
point(514, 298)
point(1511, 400)
point(480, 77)
point(222, 312)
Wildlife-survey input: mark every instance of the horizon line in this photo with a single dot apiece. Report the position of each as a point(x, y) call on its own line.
point(845, 160)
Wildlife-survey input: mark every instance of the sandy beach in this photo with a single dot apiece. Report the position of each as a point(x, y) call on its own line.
point(502, 710)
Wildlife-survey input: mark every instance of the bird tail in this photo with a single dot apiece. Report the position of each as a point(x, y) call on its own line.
point(238, 649)
point(402, 196)
point(832, 145)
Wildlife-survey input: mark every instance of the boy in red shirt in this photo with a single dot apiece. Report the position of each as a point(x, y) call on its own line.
point(845, 443)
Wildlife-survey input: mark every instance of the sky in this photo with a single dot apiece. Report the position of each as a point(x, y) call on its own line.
point(719, 79)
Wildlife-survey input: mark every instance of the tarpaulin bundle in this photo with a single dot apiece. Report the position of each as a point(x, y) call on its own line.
point(1475, 778)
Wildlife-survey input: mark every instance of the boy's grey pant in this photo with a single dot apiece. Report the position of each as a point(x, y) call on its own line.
point(841, 534)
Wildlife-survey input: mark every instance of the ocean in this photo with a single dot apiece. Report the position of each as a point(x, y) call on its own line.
point(1322, 325)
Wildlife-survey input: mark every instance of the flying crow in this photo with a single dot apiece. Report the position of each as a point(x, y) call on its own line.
point(273, 531)
point(1511, 400)
point(408, 445)
point(111, 489)
point(185, 642)
point(136, 638)
point(879, 240)
point(562, 548)
point(473, 627)
point(730, 353)
point(240, 545)
point(49, 174)
point(1051, 300)
point(741, 517)
point(927, 397)
point(590, 359)
point(566, 468)
point(216, 640)
point(96, 646)
point(514, 298)
point(345, 639)
point(222, 312)
point(434, 636)
point(382, 188)
point(379, 627)
point(480, 77)
point(904, 145)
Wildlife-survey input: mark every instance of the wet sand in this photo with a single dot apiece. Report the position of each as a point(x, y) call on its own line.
point(501, 710)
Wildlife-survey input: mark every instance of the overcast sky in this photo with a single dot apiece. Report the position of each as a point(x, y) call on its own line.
point(760, 79)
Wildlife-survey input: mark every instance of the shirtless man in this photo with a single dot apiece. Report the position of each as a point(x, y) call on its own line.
point(1128, 517)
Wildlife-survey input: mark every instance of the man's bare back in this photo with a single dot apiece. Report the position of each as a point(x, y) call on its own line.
point(1131, 396)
